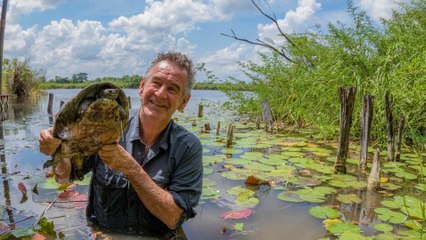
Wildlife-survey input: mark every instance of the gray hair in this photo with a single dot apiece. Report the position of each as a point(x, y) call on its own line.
point(180, 60)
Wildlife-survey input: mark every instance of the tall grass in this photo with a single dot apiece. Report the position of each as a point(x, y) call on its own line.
point(375, 59)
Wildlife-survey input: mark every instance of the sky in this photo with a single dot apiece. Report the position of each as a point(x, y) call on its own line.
point(114, 38)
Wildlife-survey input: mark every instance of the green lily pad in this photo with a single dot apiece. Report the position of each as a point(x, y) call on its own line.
point(237, 161)
point(237, 174)
point(259, 167)
point(342, 227)
point(231, 151)
point(210, 160)
point(387, 215)
point(252, 156)
point(207, 182)
point(289, 196)
point(390, 186)
point(293, 154)
point(383, 227)
point(348, 198)
point(239, 227)
point(209, 193)
point(353, 236)
point(207, 170)
point(406, 175)
point(324, 212)
point(387, 236)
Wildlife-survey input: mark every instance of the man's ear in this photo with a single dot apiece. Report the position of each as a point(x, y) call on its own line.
point(184, 102)
point(141, 86)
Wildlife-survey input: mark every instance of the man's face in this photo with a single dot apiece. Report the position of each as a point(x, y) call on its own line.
point(163, 91)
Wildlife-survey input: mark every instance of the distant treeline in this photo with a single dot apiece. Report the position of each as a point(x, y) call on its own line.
point(79, 80)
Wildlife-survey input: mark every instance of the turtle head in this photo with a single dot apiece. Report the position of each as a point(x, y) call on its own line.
point(110, 93)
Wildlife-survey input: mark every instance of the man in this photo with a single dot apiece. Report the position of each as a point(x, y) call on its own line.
point(151, 180)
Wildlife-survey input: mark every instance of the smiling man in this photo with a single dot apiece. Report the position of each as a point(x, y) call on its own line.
point(151, 180)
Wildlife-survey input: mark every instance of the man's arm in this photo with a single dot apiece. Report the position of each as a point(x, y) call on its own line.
point(158, 201)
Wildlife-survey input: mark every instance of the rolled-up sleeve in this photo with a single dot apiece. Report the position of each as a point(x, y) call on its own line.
point(187, 178)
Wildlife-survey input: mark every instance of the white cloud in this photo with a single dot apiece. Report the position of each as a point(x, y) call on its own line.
point(293, 21)
point(223, 63)
point(18, 7)
point(377, 9)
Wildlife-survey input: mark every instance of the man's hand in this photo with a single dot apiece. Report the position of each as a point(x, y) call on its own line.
point(116, 158)
point(48, 144)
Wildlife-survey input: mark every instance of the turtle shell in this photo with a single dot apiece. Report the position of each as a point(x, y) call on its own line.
point(89, 120)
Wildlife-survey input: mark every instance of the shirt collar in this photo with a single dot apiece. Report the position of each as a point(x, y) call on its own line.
point(162, 141)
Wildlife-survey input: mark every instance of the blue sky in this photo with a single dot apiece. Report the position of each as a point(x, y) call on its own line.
point(120, 37)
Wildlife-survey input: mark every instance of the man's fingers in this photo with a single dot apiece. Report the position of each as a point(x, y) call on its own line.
point(48, 144)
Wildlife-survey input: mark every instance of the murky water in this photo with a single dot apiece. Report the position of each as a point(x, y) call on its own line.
point(21, 162)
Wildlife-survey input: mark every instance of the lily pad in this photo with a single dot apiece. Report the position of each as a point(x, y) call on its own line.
point(231, 151)
point(289, 196)
point(237, 214)
point(324, 212)
point(342, 227)
point(383, 227)
point(387, 215)
point(348, 198)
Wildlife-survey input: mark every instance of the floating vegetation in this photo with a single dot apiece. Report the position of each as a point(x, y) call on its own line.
point(303, 172)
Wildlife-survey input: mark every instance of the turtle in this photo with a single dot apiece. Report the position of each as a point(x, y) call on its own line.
point(96, 116)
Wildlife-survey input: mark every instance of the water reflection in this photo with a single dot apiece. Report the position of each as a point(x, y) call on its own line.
point(4, 173)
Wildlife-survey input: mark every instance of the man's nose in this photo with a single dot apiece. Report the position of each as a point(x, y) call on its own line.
point(162, 91)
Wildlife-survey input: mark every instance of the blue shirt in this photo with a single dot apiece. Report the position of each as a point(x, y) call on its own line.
point(174, 163)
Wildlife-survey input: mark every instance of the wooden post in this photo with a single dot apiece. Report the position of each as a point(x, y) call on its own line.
point(4, 103)
point(346, 109)
point(130, 102)
point(229, 135)
point(2, 29)
point(399, 138)
point(218, 128)
point(267, 115)
point(49, 105)
point(207, 127)
point(389, 126)
point(374, 179)
point(200, 110)
point(366, 120)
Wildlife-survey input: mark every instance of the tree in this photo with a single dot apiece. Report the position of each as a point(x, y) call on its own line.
point(79, 77)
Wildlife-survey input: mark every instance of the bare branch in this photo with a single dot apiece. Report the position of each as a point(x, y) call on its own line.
point(259, 43)
point(274, 19)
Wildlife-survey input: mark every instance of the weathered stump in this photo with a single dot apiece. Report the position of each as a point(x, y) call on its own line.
point(374, 179)
point(49, 105)
point(218, 128)
point(207, 127)
point(366, 121)
point(200, 110)
point(4, 103)
point(399, 137)
point(229, 135)
point(267, 115)
point(130, 102)
point(389, 126)
point(347, 100)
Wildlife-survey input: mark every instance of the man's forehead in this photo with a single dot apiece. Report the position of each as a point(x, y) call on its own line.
point(163, 65)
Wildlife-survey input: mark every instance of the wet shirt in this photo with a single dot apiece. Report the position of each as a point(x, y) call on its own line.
point(174, 163)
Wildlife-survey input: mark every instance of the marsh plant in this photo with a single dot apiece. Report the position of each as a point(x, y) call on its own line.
point(373, 58)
